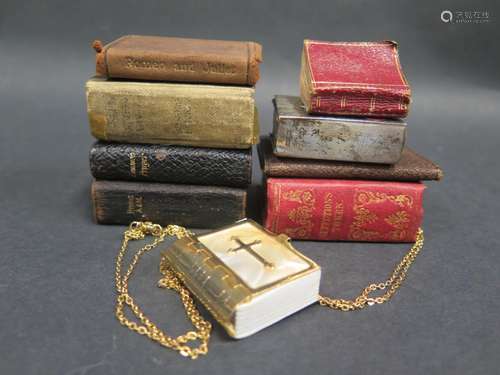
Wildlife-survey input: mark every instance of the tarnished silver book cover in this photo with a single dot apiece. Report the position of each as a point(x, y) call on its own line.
point(297, 134)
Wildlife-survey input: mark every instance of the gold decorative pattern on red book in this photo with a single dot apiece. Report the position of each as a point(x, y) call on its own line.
point(345, 210)
point(363, 216)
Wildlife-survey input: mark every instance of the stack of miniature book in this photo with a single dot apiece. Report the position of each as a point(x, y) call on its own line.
point(175, 121)
point(336, 165)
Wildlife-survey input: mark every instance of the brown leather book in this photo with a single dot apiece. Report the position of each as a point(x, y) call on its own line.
point(411, 167)
point(156, 58)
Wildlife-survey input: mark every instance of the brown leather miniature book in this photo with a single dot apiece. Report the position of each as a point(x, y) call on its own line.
point(156, 58)
point(411, 167)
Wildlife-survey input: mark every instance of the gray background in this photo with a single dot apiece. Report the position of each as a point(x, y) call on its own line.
point(56, 267)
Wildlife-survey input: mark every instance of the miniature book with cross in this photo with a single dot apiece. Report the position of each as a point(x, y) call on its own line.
point(247, 277)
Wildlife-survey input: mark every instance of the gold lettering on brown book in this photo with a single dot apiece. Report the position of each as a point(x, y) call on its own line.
point(134, 63)
point(135, 204)
point(184, 67)
point(218, 68)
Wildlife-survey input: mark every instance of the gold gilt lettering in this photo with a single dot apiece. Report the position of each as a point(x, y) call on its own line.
point(133, 167)
point(184, 67)
point(326, 215)
point(338, 217)
point(183, 115)
point(218, 68)
point(144, 63)
point(135, 204)
point(144, 165)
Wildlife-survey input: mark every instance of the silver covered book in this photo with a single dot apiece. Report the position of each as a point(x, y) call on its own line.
point(297, 134)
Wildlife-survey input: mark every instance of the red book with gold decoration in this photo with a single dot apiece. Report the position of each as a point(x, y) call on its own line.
point(348, 78)
point(344, 210)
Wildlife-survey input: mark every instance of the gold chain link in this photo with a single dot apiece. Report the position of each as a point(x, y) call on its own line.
point(138, 231)
point(391, 285)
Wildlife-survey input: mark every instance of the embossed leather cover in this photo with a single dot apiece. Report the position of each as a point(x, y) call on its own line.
point(354, 78)
point(194, 206)
point(346, 210)
point(141, 57)
point(297, 134)
point(172, 113)
point(411, 167)
point(175, 164)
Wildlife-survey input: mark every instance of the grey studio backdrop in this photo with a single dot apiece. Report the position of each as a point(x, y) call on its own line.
point(56, 267)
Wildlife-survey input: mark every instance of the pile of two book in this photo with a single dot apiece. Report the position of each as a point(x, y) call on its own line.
point(336, 164)
point(176, 120)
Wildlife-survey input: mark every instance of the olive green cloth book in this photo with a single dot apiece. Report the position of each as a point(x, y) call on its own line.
point(172, 113)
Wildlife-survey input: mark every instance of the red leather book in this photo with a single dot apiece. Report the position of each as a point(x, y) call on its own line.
point(364, 78)
point(344, 210)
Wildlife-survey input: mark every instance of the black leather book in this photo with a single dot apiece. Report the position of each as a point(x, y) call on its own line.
point(175, 164)
point(193, 206)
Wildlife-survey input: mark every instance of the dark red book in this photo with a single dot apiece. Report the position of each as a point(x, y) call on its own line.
point(349, 78)
point(344, 210)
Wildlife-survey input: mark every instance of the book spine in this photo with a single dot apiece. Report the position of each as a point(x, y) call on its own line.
point(345, 210)
point(119, 202)
point(174, 164)
point(358, 103)
point(337, 139)
point(191, 115)
point(208, 278)
point(200, 61)
point(411, 167)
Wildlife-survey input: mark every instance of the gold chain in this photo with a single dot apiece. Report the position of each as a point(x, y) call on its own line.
point(138, 231)
point(392, 284)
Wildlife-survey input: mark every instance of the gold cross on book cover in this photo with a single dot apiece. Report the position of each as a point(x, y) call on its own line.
point(247, 277)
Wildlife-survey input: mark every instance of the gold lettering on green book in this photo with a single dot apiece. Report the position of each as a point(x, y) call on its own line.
point(183, 115)
point(168, 113)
